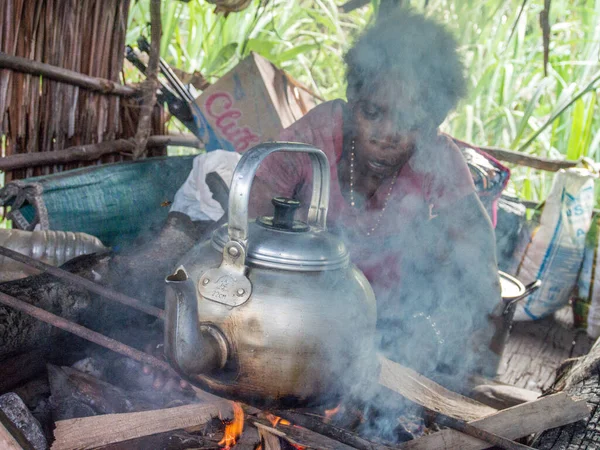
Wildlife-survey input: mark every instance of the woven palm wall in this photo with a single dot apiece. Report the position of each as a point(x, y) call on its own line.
point(38, 115)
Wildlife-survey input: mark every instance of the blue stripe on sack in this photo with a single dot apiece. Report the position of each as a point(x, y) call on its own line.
point(552, 248)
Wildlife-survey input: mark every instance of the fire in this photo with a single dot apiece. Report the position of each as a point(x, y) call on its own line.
point(275, 420)
point(234, 428)
point(329, 413)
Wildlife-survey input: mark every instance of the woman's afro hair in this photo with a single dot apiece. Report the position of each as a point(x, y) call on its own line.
point(415, 51)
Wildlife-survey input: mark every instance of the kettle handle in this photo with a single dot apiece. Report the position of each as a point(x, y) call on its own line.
point(243, 176)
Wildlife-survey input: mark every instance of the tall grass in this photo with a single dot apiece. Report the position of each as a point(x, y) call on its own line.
point(511, 103)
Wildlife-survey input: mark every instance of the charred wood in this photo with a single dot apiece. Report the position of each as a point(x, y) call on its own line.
point(579, 377)
point(522, 420)
point(315, 424)
point(15, 411)
point(20, 332)
point(10, 438)
point(18, 369)
point(300, 436)
point(90, 432)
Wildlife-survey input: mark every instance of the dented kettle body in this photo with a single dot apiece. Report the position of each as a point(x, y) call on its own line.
point(272, 312)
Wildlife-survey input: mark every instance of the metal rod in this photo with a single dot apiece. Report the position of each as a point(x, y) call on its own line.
point(83, 282)
point(83, 332)
point(471, 430)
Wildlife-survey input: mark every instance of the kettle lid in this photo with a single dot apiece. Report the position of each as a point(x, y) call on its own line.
point(280, 242)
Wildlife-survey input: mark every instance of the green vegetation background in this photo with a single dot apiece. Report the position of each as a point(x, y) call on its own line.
point(511, 102)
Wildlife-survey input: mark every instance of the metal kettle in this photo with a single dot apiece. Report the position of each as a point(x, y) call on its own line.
point(272, 312)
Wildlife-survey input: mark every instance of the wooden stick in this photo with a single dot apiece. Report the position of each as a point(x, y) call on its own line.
point(96, 431)
point(55, 73)
point(90, 152)
point(425, 392)
point(85, 333)
point(487, 436)
point(522, 420)
point(301, 436)
point(535, 162)
point(84, 282)
point(149, 85)
point(333, 432)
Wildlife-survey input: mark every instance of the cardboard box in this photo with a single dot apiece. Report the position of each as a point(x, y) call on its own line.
point(251, 104)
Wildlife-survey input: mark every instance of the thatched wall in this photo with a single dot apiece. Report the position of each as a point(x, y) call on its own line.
point(37, 115)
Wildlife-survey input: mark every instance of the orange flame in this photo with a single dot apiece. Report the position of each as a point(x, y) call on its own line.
point(329, 413)
point(233, 428)
point(275, 420)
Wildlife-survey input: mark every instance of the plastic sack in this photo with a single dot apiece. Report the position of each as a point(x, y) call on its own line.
point(509, 232)
point(586, 301)
point(194, 198)
point(555, 252)
point(115, 202)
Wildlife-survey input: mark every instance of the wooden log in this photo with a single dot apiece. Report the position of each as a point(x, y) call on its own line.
point(90, 432)
point(330, 431)
point(425, 392)
point(579, 377)
point(55, 73)
point(533, 417)
point(300, 437)
point(90, 152)
point(21, 368)
point(535, 162)
point(502, 396)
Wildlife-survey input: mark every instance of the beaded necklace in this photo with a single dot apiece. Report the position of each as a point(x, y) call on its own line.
point(352, 199)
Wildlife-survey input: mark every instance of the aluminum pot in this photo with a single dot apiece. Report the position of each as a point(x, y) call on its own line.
point(513, 291)
point(272, 312)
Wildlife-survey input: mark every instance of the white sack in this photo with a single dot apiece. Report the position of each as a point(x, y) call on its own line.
point(194, 197)
point(556, 250)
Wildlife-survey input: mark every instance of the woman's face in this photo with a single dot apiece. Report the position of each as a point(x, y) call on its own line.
point(385, 130)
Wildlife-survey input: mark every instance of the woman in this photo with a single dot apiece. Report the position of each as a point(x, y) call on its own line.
point(402, 195)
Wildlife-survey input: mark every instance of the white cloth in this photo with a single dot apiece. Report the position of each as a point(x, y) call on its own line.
point(194, 197)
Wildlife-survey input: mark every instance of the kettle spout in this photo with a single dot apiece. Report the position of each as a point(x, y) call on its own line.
point(192, 348)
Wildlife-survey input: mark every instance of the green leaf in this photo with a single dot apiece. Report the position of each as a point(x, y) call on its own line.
point(223, 57)
point(293, 53)
point(577, 118)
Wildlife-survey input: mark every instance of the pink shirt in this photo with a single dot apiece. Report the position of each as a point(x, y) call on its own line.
point(424, 186)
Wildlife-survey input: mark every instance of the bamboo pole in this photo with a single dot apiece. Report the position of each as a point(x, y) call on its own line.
point(24, 65)
point(90, 152)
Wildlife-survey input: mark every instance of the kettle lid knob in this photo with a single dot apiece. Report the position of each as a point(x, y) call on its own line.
point(283, 216)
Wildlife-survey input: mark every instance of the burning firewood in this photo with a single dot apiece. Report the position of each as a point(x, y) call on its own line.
point(90, 432)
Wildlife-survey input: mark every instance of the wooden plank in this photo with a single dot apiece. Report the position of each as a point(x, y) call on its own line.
point(7, 441)
point(96, 431)
point(512, 423)
point(421, 390)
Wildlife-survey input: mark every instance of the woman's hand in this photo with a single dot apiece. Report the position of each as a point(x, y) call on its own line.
point(163, 381)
